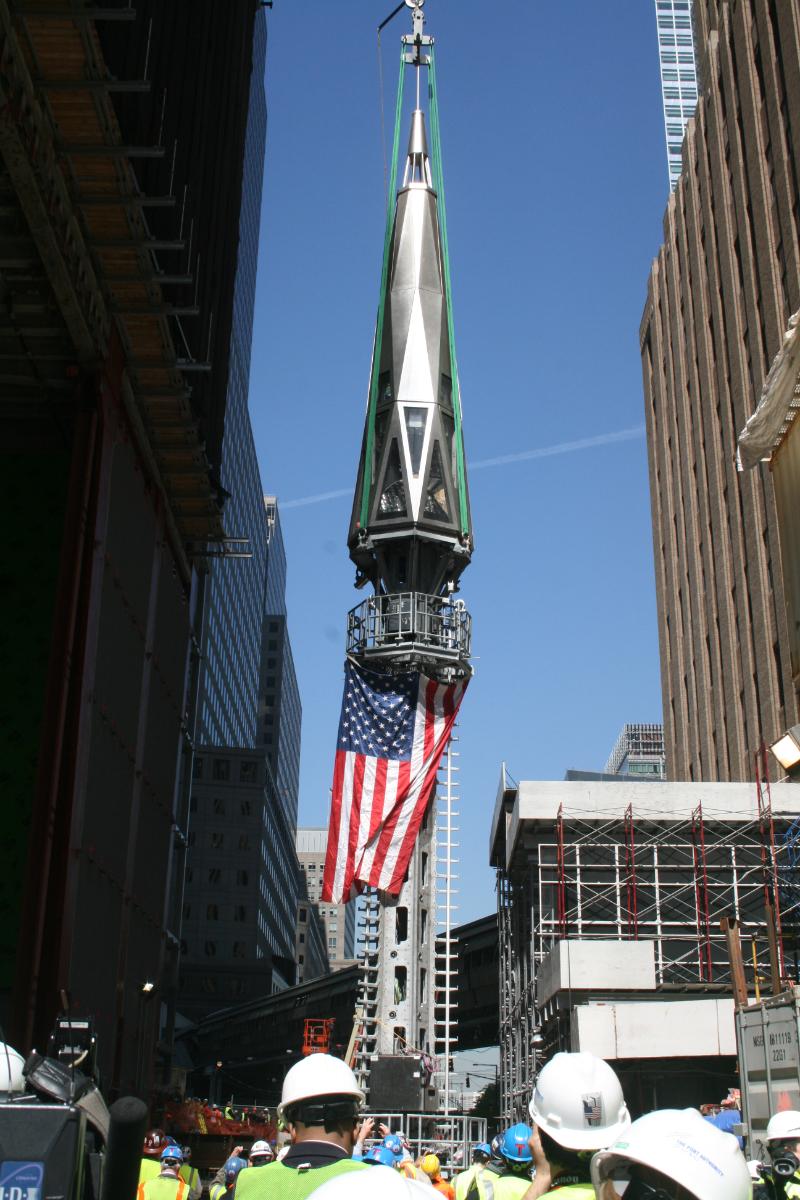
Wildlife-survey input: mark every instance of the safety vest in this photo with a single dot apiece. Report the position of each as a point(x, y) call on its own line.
point(465, 1178)
point(217, 1190)
point(490, 1186)
point(289, 1183)
point(191, 1175)
point(444, 1187)
point(165, 1187)
point(580, 1190)
point(149, 1168)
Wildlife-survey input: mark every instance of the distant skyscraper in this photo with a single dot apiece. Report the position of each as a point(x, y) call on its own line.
point(340, 919)
point(228, 701)
point(638, 752)
point(676, 58)
point(280, 711)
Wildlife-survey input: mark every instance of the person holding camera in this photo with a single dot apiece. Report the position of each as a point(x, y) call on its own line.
point(782, 1173)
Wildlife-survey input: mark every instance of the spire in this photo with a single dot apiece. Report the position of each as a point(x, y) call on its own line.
point(418, 167)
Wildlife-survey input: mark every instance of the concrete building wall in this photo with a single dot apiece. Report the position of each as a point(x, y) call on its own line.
point(339, 919)
point(720, 293)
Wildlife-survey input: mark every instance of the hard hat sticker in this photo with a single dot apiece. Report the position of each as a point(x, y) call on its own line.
point(21, 1180)
point(592, 1110)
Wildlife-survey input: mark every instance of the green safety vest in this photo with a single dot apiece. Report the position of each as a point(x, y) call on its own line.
point(288, 1183)
point(491, 1186)
point(189, 1173)
point(464, 1179)
point(217, 1189)
point(165, 1187)
point(149, 1168)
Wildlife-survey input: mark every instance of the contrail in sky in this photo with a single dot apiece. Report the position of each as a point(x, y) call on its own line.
point(601, 439)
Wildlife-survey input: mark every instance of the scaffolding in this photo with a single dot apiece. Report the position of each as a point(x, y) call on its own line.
point(630, 875)
point(445, 1009)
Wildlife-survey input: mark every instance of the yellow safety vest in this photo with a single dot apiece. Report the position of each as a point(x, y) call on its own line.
point(464, 1179)
point(277, 1182)
point(492, 1186)
point(165, 1187)
point(150, 1168)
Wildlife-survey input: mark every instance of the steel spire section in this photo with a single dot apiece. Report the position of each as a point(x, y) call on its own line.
point(410, 530)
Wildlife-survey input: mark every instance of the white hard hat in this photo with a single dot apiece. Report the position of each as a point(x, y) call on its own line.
point(578, 1101)
point(783, 1126)
point(261, 1147)
point(12, 1081)
point(316, 1077)
point(684, 1147)
point(385, 1182)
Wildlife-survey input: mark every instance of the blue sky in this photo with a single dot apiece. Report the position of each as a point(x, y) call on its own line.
point(556, 177)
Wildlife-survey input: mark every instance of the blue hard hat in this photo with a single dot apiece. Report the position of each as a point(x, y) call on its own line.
point(232, 1167)
point(173, 1152)
point(482, 1148)
point(380, 1155)
point(514, 1144)
point(394, 1142)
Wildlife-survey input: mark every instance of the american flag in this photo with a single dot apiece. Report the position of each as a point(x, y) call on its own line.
point(592, 1110)
point(392, 733)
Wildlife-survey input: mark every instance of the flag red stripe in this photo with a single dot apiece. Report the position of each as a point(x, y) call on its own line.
point(427, 788)
point(355, 820)
point(378, 797)
point(387, 833)
point(332, 851)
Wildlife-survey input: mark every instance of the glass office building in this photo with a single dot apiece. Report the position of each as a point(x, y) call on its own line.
point(676, 56)
point(228, 700)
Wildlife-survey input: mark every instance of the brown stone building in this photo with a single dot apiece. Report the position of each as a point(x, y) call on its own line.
point(721, 292)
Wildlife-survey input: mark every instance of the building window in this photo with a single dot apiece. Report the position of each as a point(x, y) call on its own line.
point(214, 875)
point(248, 771)
point(246, 808)
point(217, 841)
point(219, 806)
point(210, 949)
point(222, 769)
point(273, 626)
point(239, 950)
point(239, 912)
point(304, 914)
point(400, 925)
point(212, 912)
point(242, 878)
point(301, 939)
point(244, 842)
point(197, 768)
point(301, 959)
point(272, 644)
point(400, 984)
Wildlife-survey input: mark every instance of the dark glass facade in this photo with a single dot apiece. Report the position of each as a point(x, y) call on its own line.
point(280, 709)
point(228, 703)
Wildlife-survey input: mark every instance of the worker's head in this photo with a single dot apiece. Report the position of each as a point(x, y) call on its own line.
point(321, 1097)
point(171, 1158)
point(186, 1151)
point(430, 1164)
point(481, 1152)
point(513, 1148)
point(154, 1142)
point(783, 1138)
point(233, 1166)
point(577, 1107)
point(260, 1154)
point(672, 1154)
point(380, 1156)
point(394, 1144)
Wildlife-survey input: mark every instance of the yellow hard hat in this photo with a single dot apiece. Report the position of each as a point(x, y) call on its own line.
point(430, 1165)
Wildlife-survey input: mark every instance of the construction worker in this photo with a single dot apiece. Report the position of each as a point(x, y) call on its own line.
point(672, 1153)
point(375, 1182)
point(433, 1169)
point(167, 1185)
point(260, 1154)
point(379, 1156)
point(233, 1167)
point(507, 1176)
point(782, 1173)
point(191, 1174)
point(320, 1104)
point(481, 1153)
point(397, 1145)
point(154, 1142)
point(577, 1108)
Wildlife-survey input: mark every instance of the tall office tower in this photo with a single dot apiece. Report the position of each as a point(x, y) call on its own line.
point(340, 919)
point(241, 886)
point(244, 810)
point(229, 684)
point(720, 295)
point(676, 59)
point(280, 711)
point(112, 406)
point(638, 752)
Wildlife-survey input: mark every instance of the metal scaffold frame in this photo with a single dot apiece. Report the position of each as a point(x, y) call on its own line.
point(633, 877)
point(446, 960)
